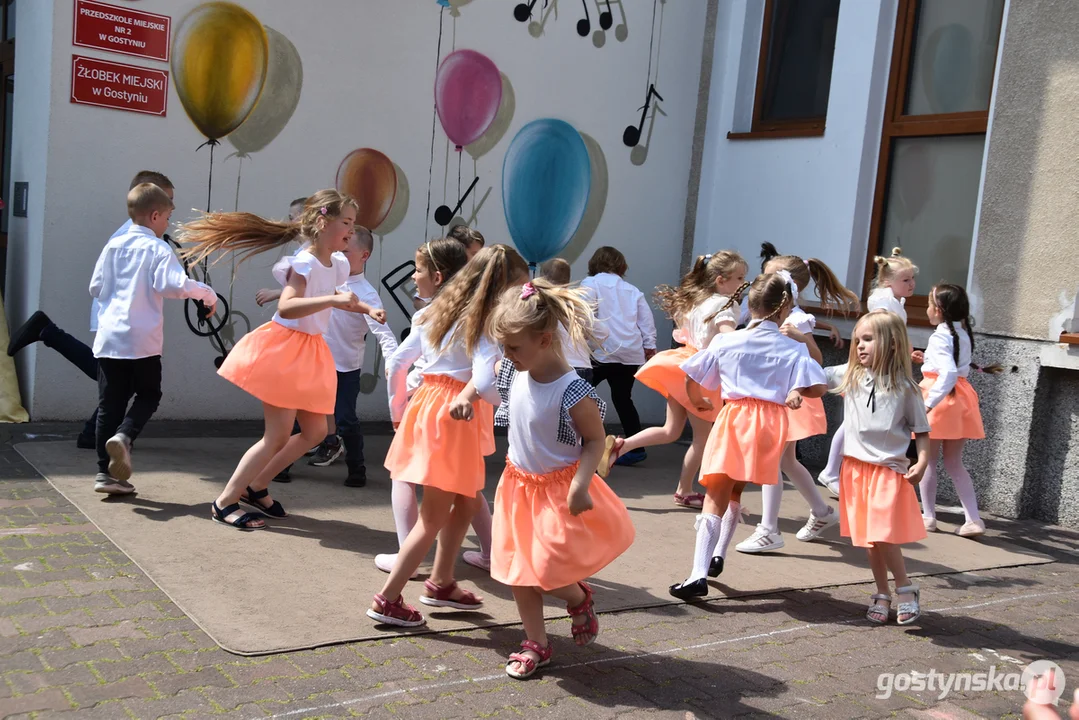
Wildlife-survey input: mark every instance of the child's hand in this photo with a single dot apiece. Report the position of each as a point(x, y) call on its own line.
point(794, 400)
point(917, 357)
point(794, 334)
point(461, 409)
point(378, 315)
point(836, 338)
point(914, 475)
point(578, 499)
point(347, 301)
point(704, 405)
point(266, 295)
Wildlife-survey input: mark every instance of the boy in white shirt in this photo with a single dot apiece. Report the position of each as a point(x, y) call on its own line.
point(134, 273)
point(347, 338)
point(630, 341)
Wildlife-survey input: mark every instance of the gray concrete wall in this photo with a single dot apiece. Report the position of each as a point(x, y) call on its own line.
point(1026, 254)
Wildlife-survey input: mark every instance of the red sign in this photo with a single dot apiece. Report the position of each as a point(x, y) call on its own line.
point(122, 87)
point(120, 30)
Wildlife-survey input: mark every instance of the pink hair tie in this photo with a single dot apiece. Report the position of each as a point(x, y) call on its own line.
point(528, 290)
point(323, 210)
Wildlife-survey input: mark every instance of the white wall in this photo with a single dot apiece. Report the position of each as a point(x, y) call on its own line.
point(808, 196)
point(368, 77)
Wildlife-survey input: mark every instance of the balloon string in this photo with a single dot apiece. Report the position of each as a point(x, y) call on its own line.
point(209, 200)
point(434, 121)
point(458, 174)
point(648, 83)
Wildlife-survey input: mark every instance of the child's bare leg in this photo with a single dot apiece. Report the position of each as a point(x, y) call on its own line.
point(450, 538)
point(434, 513)
point(530, 607)
point(736, 492)
point(278, 426)
point(312, 432)
point(716, 498)
point(691, 463)
point(878, 563)
point(573, 595)
point(670, 431)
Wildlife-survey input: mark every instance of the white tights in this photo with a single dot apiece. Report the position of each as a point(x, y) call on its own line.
point(953, 463)
point(406, 512)
point(835, 458)
point(771, 495)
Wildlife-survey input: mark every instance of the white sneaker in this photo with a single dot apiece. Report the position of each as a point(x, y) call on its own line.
point(386, 561)
point(816, 525)
point(477, 559)
point(105, 483)
point(930, 523)
point(762, 540)
point(832, 485)
point(971, 530)
point(119, 449)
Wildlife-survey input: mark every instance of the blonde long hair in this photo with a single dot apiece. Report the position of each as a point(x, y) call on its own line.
point(890, 363)
point(470, 297)
point(832, 293)
point(248, 234)
point(699, 284)
point(541, 306)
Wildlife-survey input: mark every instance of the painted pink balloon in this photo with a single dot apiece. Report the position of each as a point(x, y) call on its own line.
point(468, 91)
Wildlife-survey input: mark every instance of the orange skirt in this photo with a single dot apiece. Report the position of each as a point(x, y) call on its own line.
point(431, 448)
point(877, 504)
point(807, 421)
point(535, 542)
point(663, 373)
point(285, 368)
point(746, 442)
point(957, 416)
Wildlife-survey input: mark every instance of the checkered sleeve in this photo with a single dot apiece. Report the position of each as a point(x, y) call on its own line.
point(577, 391)
point(504, 382)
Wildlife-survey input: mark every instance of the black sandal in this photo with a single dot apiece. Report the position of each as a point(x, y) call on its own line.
point(241, 523)
point(253, 496)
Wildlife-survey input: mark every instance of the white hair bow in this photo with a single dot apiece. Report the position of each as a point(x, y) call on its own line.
point(790, 281)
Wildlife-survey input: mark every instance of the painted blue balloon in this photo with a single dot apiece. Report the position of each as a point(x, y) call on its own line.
point(546, 178)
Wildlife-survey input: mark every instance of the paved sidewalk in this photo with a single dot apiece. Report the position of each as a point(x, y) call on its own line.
point(84, 634)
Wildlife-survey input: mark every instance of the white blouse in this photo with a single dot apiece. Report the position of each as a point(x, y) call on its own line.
point(696, 330)
point(321, 280)
point(939, 360)
point(885, 299)
point(877, 425)
point(450, 360)
point(757, 362)
point(801, 321)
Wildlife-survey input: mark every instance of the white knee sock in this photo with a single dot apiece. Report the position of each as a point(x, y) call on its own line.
point(803, 482)
point(707, 533)
point(405, 509)
point(771, 497)
point(481, 523)
point(731, 519)
point(964, 485)
point(928, 489)
point(835, 457)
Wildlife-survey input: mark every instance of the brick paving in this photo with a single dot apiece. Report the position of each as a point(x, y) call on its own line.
point(84, 634)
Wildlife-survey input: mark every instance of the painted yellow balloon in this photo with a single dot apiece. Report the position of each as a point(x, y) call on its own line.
point(219, 58)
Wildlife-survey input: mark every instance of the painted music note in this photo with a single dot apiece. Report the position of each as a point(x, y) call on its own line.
point(606, 18)
point(398, 283)
point(584, 26)
point(632, 135)
point(523, 11)
point(443, 214)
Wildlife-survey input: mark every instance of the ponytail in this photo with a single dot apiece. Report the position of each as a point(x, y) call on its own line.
point(830, 290)
point(541, 306)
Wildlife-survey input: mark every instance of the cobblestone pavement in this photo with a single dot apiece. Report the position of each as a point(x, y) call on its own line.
point(84, 634)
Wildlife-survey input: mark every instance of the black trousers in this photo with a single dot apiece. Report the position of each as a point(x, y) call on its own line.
point(620, 378)
point(118, 381)
point(77, 353)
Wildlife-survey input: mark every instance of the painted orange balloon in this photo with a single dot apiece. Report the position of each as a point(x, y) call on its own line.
point(219, 58)
point(369, 177)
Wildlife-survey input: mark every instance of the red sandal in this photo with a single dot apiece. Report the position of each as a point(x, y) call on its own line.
point(395, 613)
point(531, 666)
point(442, 596)
point(586, 608)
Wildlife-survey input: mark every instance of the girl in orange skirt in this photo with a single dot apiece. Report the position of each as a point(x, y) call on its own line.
point(436, 264)
point(806, 421)
point(556, 522)
point(429, 448)
point(882, 407)
point(952, 404)
point(761, 373)
point(704, 304)
point(285, 363)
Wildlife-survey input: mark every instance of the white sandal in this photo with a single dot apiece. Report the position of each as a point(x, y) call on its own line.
point(877, 609)
point(912, 608)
